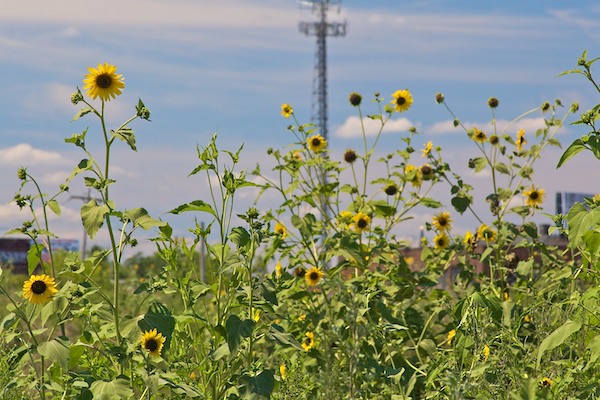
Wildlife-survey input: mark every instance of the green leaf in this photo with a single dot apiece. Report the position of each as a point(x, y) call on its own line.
point(461, 203)
point(285, 339)
point(82, 112)
point(431, 203)
point(57, 351)
point(573, 149)
point(92, 216)
point(594, 347)
point(237, 330)
point(117, 389)
point(126, 134)
point(239, 236)
point(480, 164)
point(580, 219)
point(257, 386)
point(34, 255)
point(54, 206)
point(383, 208)
point(196, 205)
point(557, 338)
point(140, 217)
point(502, 168)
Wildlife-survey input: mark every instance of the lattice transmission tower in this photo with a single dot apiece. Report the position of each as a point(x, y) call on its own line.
point(321, 29)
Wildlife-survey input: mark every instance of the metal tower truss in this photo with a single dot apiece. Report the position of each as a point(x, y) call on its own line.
point(321, 29)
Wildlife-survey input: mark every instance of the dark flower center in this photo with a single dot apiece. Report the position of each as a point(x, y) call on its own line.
point(441, 242)
point(300, 272)
point(104, 81)
point(350, 156)
point(442, 221)
point(361, 223)
point(316, 142)
point(534, 196)
point(308, 341)
point(151, 345)
point(38, 287)
point(400, 100)
point(314, 276)
point(426, 170)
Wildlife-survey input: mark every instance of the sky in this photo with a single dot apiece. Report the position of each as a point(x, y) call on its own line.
point(227, 66)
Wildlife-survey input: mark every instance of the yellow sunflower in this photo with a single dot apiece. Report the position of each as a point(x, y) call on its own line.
point(103, 82)
point(281, 230)
point(470, 239)
point(309, 341)
point(402, 100)
point(486, 352)
point(427, 149)
point(286, 110)
point(283, 371)
point(486, 233)
point(313, 276)
point(520, 139)
point(442, 221)
point(478, 135)
point(316, 143)
point(546, 382)
point(278, 269)
point(413, 175)
point(153, 342)
point(441, 241)
point(450, 336)
point(39, 289)
point(534, 196)
point(362, 222)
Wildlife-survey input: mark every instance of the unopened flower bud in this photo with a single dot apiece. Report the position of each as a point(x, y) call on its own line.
point(493, 102)
point(439, 98)
point(355, 99)
point(76, 97)
point(22, 174)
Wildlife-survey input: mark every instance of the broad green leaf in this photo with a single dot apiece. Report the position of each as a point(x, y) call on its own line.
point(557, 338)
point(54, 206)
point(573, 149)
point(34, 255)
point(82, 112)
point(431, 203)
point(126, 134)
point(580, 219)
point(257, 386)
point(140, 217)
point(594, 347)
point(239, 236)
point(117, 389)
point(92, 216)
point(57, 351)
point(383, 208)
point(237, 330)
point(196, 205)
point(480, 164)
point(502, 168)
point(286, 339)
point(461, 203)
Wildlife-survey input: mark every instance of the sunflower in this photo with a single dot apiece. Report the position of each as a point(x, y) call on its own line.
point(391, 189)
point(413, 175)
point(546, 382)
point(350, 156)
point(103, 82)
point(278, 269)
point(450, 336)
point(478, 135)
point(316, 143)
point(300, 272)
point(309, 342)
point(534, 196)
point(442, 221)
point(470, 239)
point(280, 230)
point(427, 149)
point(361, 222)
point(282, 371)
point(153, 342)
point(441, 241)
point(486, 233)
point(402, 100)
point(426, 172)
point(486, 352)
point(313, 276)
point(39, 289)
point(520, 139)
point(286, 110)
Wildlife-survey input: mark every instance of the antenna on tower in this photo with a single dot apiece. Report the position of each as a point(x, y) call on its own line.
point(321, 29)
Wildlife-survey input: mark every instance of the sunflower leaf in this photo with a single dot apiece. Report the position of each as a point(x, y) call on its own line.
point(237, 330)
point(57, 351)
point(92, 216)
point(34, 254)
point(117, 389)
point(126, 134)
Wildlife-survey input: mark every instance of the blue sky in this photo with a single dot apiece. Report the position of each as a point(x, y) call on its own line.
point(227, 66)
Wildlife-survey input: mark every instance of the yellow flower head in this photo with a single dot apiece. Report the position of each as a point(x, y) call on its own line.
point(413, 175)
point(442, 221)
point(153, 342)
point(546, 382)
point(316, 143)
point(362, 222)
point(280, 230)
point(313, 276)
point(256, 315)
point(286, 110)
point(297, 155)
point(427, 149)
point(39, 289)
point(450, 336)
point(470, 239)
point(486, 352)
point(103, 82)
point(534, 196)
point(278, 269)
point(441, 241)
point(486, 233)
point(402, 100)
point(309, 341)
point(478, 135)
point(520, 139)
point(596, 198)
point(283, 371)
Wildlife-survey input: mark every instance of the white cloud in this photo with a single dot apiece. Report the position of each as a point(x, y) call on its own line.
point(352, 127)
point(530, 125)
point(24, 154)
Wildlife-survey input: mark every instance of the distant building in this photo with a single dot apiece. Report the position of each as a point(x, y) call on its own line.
point(13, 251)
